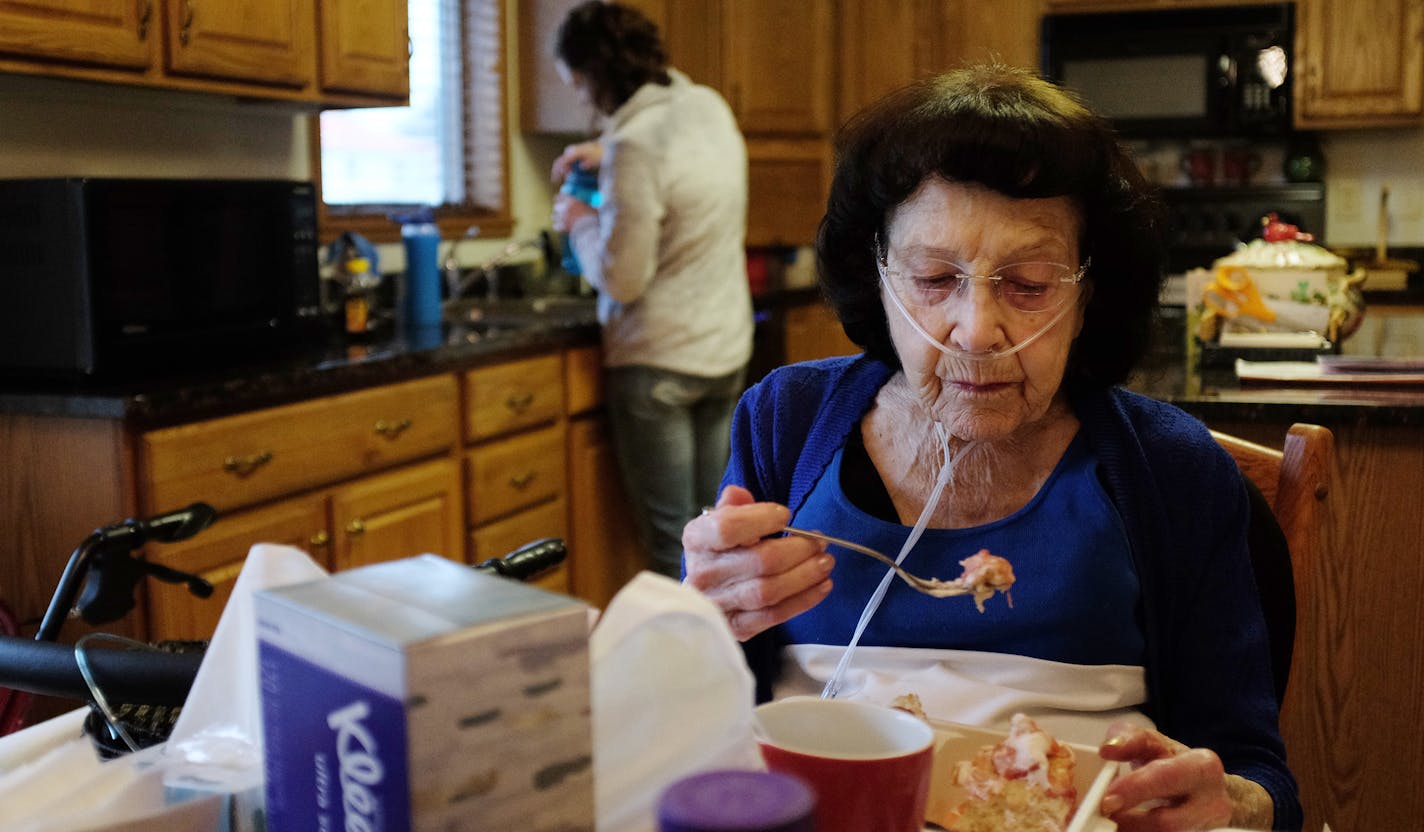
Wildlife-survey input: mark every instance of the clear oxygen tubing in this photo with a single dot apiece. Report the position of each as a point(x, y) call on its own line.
point(987, 355)
point(833, 685)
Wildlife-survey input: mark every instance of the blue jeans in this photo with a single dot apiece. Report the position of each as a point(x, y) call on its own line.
point(672, 435)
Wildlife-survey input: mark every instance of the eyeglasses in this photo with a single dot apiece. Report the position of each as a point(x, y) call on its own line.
point(1030, 287)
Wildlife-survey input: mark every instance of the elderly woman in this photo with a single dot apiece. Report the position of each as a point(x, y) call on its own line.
point(994, 251)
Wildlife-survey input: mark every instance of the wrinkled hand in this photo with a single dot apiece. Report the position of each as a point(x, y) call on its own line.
point(1171, 787)
point(588, 154)
point(568, 210)
point(758, 582)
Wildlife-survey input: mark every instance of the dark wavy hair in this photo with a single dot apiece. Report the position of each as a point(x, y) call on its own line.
point(1012, 132)
point(615, 47)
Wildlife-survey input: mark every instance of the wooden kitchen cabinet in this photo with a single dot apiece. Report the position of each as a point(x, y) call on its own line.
point(239, 460)
point(105, 33)
point(886, 45)
point(1360, 63)
point(515, 465)
point(774, 89)
point(604, 549)
point(365, 47)
point(256, 41)
point(217, 555)
point(406, 512)
point(787, 184)
point(266, 49)
point(396, 514)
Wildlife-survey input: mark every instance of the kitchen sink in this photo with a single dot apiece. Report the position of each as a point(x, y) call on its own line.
point(518, 313)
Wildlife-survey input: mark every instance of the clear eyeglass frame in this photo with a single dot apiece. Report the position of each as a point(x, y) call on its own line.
point(1030, 287)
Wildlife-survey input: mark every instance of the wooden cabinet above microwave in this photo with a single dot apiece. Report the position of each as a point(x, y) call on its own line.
point(255, 49)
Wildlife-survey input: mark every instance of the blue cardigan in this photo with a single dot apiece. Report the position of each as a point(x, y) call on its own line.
point(1185, 511)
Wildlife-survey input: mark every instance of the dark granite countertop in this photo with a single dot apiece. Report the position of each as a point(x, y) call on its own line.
point(1216, 395)
point(325, 369)
point(340, 366)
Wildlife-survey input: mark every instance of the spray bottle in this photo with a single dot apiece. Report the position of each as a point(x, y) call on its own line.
point(580, 184)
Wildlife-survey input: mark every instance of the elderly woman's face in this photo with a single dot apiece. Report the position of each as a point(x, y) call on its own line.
point(981, 231)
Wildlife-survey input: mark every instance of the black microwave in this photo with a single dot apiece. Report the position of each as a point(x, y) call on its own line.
point(112, 277)
point(1180, 73)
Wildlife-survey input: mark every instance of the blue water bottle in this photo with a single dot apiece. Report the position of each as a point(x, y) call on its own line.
point(579, 184)
point(421, 306)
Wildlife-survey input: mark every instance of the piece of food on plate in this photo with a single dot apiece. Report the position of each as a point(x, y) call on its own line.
point(1022, 784)
point(910, 703)
point(985, 574)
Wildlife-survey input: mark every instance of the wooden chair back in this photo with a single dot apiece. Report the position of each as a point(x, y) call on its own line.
point(1296, 482)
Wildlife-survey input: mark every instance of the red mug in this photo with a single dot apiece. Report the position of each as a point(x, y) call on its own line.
point(1239, 165)
point(869, 765)
point(1199, 164)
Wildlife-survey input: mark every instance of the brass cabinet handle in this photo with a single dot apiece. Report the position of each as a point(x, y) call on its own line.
point(521, 481)
point(186, 31)
point(145, 13)
point(520, 403)
point(356, 527)
point(243, 466)
point(320, 539)
point(391, 430)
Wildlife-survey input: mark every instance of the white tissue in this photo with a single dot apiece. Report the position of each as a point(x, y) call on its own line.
point(672, 696)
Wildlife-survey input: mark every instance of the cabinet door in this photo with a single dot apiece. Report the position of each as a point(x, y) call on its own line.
point(498, 539)
point(217, 555)
point(887, 44)
point(263, 41)
point(111, 33)
point(1360, 63)
point(365, 47)
point(787, 185)
point(778, 64)
point(396, 515)
point(883, 46)
point(604, 550)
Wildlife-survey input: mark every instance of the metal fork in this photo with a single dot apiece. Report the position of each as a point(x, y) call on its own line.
point(929, 586)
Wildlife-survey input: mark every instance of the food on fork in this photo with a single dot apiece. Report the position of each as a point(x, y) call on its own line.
point(985, 574)
point(1022, 784)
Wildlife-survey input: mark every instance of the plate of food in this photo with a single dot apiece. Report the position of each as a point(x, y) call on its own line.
point(1014, 781)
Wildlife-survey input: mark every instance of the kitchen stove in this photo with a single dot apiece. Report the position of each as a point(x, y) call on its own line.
point(1206, 223)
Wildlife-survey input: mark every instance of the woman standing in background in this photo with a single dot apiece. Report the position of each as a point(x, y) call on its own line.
point(666, 252)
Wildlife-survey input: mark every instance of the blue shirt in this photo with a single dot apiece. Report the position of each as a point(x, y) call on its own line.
point(1075, 587)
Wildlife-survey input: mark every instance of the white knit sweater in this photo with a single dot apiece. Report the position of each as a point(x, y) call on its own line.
point(667, 249)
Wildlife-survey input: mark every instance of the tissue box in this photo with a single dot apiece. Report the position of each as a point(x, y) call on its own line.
point(423, 695)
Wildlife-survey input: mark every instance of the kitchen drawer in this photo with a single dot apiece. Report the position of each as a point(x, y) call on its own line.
point(505, 476)
point(504, 536)
point(513, 396)
point(244, 459)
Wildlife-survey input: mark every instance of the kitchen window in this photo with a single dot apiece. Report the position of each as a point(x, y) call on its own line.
point(446, 148)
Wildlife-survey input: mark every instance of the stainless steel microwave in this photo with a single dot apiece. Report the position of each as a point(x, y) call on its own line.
point(1179, 73)
point(116, 277)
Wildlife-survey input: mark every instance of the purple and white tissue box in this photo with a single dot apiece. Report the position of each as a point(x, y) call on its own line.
point(422, 695)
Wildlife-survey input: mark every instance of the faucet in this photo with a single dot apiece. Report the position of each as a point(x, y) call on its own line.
point(455, 285)
point(489, 270)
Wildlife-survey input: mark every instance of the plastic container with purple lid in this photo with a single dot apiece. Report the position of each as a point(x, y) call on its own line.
point(734, 800)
